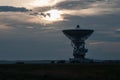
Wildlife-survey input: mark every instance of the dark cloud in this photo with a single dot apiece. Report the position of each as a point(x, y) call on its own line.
point(71, 4)
point(42, 9)
point(12, 9)
point(77, 4)
point(104, 50)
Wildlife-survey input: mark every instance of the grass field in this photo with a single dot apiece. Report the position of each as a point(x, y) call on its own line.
point(81, 71)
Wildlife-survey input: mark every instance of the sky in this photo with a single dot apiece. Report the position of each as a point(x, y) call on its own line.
point(32, 29)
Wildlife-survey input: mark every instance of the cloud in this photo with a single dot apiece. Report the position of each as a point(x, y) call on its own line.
point(82, 8)
point(104, 50)
point(22, 22)
point(118, 31)
point(4, 27)
point(85, 8)
point(25, 35)
point(88, 12)
point(42, 3)
point(96, 43)
point(12, 9)
point(117, 34)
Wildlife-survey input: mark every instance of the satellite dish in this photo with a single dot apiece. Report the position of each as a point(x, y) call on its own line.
point(78, 37)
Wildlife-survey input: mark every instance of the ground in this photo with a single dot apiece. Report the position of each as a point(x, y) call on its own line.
point(78, 71)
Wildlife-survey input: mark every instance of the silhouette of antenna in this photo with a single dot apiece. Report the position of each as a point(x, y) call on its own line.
point(78, 37)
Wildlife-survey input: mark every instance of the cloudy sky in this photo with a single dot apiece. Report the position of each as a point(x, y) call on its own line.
point(32, 29)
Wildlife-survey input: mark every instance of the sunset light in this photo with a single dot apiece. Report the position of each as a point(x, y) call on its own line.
point(53, 15)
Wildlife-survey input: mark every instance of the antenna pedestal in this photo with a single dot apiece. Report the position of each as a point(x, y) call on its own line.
point(79, 49)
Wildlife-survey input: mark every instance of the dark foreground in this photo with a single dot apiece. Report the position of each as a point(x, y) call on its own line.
point(82, 71)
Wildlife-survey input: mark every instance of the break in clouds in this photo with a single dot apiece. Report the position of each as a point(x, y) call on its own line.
point(25, 35)
point(84, 7)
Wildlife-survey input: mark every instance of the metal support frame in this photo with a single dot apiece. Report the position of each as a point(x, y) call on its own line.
point(79, 49)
